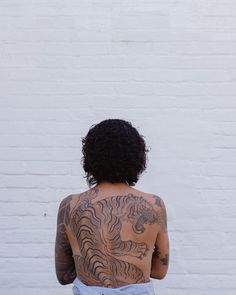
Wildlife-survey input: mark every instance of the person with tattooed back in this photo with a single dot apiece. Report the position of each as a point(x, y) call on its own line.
point(112, 238)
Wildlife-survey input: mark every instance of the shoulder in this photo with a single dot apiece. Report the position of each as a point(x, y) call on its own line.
point(64, 202)
point(159, 206)
point(158, 201)
point(72, 199)
point(153, 198)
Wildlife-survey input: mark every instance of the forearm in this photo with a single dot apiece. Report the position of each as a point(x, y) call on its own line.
point(159, 265)
point(65, 274)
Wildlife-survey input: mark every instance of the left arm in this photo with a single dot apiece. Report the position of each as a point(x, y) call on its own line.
point(64, 262)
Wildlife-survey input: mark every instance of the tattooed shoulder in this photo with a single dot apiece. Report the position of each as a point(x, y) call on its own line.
point(158, 200)
point(162, 210)
point(65, 201)
point(64, 210)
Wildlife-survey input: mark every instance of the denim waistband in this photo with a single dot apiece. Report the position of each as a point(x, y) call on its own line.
point(80, 288)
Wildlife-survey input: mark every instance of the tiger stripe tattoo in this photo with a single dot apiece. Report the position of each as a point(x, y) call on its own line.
point(97, 227)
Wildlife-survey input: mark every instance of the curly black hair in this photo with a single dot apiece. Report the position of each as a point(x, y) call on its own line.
point(113, 151)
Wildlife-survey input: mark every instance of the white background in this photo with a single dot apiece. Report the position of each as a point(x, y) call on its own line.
point(169, 67)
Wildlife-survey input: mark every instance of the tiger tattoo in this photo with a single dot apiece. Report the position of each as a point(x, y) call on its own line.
point(97, 227)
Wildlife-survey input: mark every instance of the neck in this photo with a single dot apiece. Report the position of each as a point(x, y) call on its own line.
point(117, 186)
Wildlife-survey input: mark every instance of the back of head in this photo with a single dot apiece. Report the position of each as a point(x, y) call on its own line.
point(113, 151)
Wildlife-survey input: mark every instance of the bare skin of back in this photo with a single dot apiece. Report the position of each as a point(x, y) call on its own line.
point(115, 235)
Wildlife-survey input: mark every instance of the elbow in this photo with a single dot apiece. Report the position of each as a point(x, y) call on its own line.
point(158, 276)
point(65, 279)
point(65, 275)
point(62, 280)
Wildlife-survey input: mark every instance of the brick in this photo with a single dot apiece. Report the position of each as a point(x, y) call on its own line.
point(169, 67)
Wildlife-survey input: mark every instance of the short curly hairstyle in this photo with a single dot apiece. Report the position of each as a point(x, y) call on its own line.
point(113, 151)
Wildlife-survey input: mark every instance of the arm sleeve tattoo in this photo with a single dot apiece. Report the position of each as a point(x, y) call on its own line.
point(64, 262)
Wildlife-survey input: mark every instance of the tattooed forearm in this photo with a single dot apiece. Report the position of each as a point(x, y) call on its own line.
point(165, 260)
point(67, 274)
point(156, 252)
point(64, 262)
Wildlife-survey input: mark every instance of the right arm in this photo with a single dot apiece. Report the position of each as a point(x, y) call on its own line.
point(160, 257)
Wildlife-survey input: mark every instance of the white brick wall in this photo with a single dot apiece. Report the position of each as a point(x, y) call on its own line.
point(167, 66)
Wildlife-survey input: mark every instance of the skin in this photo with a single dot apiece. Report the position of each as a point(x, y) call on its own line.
point(111, 235)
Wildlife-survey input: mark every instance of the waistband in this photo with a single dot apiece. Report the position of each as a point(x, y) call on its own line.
point(80, 288)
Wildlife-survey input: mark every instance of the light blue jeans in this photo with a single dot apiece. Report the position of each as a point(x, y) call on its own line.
point(132, 289)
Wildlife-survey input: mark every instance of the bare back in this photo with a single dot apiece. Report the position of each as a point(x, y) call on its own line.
point(113, 236)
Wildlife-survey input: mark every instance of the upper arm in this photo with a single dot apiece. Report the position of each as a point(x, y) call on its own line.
point(160, 258)
point(64, 262)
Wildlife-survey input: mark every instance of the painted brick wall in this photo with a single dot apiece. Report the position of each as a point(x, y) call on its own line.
point(167, 66)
